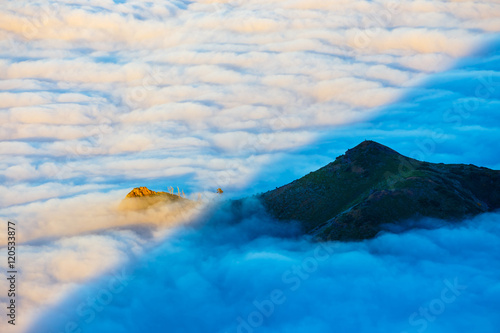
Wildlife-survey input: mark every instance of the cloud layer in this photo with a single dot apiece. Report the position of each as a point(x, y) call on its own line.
point(250, 277)
point(97, 97)
point(65, 243)
point(188, 92)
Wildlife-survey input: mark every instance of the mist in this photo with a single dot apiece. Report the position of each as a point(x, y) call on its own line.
point(64, 243)
point(244, 272)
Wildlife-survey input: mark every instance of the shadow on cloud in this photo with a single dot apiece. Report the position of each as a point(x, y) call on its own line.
point(237, 270)
point(240, 271)
point(449, 117)
point(112, 94)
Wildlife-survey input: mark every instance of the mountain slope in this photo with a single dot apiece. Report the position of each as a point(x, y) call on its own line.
point(371, 185)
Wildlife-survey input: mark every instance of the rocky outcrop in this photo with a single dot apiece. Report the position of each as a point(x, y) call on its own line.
point(143, 198)
point(143, 192)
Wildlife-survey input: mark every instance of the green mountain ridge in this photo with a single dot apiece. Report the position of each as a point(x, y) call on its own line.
point(372, 185)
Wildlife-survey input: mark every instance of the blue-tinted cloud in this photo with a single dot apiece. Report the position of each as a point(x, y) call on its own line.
point(108, 95)
point(194, 92)
point(249, 276)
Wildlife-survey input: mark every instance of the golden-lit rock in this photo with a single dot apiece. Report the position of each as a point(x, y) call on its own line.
point(142, 198)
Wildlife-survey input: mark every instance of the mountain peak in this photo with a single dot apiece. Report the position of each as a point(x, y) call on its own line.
point(142, 192)
point(370, 147)
point(142, 198)
point(371, 185)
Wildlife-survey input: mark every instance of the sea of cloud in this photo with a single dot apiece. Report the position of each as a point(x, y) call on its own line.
point(65, 243)
point(242, 272)
point(206, 94)
point(97, 97)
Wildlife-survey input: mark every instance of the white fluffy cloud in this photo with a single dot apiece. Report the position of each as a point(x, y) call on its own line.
point(50, 271)
point(65, 243)
point(185, 79)
point(222, 278)
point(97, 97)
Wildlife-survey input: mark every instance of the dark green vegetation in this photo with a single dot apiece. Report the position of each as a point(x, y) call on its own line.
point(371, 185)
